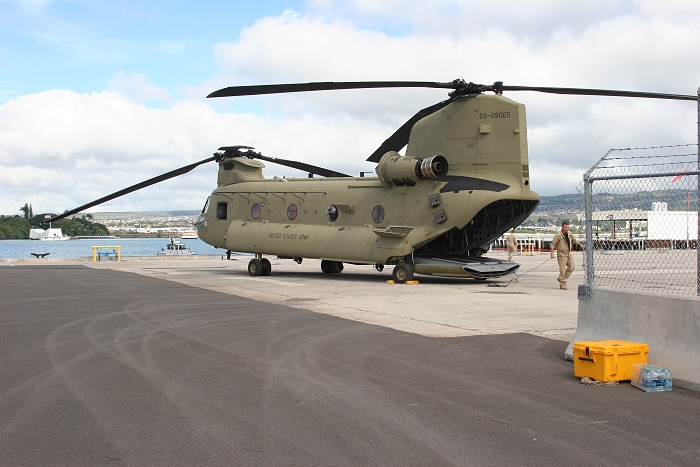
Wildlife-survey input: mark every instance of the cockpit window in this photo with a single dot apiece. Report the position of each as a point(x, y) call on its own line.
point(206, 205)
point(221, 210)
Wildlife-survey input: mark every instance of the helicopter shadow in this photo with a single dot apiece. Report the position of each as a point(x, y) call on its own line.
point(358, 277)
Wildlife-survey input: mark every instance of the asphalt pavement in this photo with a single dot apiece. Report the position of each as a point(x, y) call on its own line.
point(130, 365)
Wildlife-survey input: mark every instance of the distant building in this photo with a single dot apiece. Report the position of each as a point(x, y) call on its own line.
point(661, 224)
point(48, 234)
point(672, 225)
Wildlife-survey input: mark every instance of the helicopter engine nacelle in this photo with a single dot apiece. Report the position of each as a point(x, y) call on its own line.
point(395, 169)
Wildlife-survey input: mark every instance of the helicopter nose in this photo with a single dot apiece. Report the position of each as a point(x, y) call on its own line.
point(200, 222)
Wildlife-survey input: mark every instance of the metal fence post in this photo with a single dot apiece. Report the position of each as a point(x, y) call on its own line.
point(588, 220)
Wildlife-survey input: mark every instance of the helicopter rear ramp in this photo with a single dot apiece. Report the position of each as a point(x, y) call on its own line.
point(463, 266)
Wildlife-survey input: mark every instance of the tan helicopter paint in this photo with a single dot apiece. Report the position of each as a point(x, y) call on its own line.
point(482, 137)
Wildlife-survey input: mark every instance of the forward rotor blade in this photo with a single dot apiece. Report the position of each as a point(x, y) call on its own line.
point(256, 90)
point(132, 188)
point(592, 92)
point(311, 169)
point(399, 139)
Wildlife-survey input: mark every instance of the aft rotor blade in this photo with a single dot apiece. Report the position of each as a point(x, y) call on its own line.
point(132, 188)
point(312, 169)
point(593, 92)
point(256, 90)
point(399, 139)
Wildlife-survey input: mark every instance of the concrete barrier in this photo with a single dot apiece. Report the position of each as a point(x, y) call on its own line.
point(669, 324)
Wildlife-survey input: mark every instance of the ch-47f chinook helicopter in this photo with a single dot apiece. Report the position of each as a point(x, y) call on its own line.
point(463, 181)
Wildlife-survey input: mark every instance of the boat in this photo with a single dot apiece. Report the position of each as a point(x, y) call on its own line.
point(47, 235)
point(175, 248)
point(189, 235)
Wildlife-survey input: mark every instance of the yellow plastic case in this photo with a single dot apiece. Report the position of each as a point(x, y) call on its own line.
point(610, 360)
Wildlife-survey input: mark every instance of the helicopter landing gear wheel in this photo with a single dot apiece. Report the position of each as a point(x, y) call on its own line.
point(255, 267)
point(266, 267)
point(327, 266)
point(402, 273)
point(331, 267)
point(379, 267)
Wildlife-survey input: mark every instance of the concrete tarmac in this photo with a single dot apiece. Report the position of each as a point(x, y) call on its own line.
point(438, 307)
point(196, 363)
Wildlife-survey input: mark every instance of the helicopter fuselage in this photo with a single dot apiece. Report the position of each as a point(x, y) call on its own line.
point(477, 188)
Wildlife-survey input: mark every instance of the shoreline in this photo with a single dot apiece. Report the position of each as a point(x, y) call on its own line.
point(88, 259)
point(110, 236)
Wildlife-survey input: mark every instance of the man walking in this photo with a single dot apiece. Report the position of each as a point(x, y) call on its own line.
point(512, 244)
point(563, 242)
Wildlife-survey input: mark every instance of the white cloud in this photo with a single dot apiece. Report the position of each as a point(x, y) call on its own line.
point(624, 50)
point(534, 20)
point(173, 47)
point(59, 149)
point(622, 46)
point(135, 86)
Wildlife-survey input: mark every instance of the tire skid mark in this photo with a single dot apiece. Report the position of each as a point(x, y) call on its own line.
point(362, 403)
point(38, 392)
point(135, 345)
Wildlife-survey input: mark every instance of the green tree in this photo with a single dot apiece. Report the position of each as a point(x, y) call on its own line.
point(13, 227)
point(17, 227)
point(80, 227)
point(26, 210)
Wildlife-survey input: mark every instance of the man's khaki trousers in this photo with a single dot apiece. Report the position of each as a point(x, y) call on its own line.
point(566, 267)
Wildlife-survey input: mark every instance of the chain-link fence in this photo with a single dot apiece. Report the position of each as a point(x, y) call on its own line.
point(641, 219)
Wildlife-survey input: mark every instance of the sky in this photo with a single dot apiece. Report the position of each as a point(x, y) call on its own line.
point(99, 95)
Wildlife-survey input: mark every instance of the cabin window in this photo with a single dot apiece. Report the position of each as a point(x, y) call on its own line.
point(292, 212)
point(378, 214)
point(332, 212)
point(206, 205)
point(221, 210)
point(255, 211)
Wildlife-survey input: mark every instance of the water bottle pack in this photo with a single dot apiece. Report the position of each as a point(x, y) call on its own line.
point(651, 378)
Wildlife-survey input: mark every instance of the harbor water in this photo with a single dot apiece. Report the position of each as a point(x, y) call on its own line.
point(81, 248)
